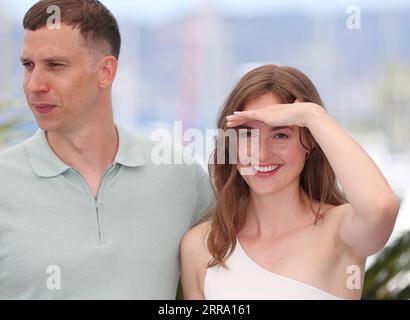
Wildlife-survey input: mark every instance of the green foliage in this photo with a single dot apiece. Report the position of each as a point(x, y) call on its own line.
point(179, 292)
point(10, 116)
point(388, 277)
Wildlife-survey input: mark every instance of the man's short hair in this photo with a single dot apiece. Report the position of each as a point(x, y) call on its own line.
point(96, 23)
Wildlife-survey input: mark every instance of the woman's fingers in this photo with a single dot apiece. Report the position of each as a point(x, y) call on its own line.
point(250, 114)
point(236, 118)
point(241, 117)
point(235, 123)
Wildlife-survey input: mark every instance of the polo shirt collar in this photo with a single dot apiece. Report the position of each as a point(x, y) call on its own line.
point(129, 152)
point(45, 163)
point(42, 158)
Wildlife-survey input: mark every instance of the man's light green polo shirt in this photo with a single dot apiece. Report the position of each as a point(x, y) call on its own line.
point(58, 241)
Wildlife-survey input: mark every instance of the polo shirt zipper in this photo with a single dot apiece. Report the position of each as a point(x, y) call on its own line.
point(96, 200)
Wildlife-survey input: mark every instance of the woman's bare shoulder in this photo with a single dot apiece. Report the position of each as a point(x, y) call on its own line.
point(194, 242)
point(194, 260)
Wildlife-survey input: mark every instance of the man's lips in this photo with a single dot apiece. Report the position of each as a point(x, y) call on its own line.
point(43, 108)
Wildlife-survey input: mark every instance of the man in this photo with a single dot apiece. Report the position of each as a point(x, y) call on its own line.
point(84, 211)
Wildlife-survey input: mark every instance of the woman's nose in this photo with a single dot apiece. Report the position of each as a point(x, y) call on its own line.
point(265, 149)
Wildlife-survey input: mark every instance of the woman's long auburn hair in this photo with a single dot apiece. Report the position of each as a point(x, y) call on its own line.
point(228, 214)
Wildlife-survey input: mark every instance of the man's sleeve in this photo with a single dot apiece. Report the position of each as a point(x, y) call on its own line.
point(204, 193)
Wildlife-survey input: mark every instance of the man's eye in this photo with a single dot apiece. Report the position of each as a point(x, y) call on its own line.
point(28, 64)
point(55, 65)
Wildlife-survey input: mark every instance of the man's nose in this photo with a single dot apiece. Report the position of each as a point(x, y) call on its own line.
point(37, 81)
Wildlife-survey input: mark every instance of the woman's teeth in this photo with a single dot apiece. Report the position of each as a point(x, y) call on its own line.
point(266, 169)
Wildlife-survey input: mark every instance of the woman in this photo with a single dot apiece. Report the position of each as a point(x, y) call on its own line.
point(287, 231)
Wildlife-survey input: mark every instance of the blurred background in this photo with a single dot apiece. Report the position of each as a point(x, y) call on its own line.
point(180, 59)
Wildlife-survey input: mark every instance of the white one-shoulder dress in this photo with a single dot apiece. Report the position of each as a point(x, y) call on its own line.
point(246, 280)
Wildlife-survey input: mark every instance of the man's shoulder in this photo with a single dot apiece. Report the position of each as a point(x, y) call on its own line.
point(14, 164)
point(13, 154)
point(169, 156)
point(152, 147)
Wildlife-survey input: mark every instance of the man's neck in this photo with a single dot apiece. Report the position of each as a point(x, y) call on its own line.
point(90, 148)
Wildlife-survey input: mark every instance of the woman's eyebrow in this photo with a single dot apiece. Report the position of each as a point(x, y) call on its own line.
point(281, 128)
point(273, 128)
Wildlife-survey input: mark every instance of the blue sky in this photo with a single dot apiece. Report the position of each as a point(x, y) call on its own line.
point(148, 11)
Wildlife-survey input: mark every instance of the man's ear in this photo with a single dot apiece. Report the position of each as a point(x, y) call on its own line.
point(107, 69)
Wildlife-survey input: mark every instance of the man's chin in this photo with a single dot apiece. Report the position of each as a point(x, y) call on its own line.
point(48, 126)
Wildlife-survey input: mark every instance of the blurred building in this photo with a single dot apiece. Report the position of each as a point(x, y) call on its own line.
point(183, 68)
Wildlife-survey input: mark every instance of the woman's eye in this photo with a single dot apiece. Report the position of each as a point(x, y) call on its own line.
point(248, 133)
point(281, 136)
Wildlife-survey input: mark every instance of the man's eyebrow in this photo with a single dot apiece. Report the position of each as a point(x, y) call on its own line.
point(49, 59)
point(57, 58)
